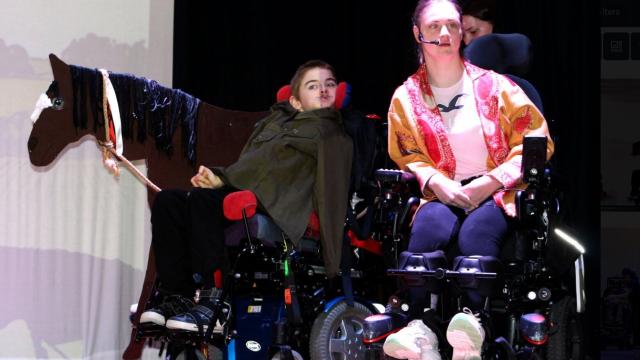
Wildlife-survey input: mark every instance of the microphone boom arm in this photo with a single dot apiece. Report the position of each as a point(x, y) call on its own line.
point(432, 42)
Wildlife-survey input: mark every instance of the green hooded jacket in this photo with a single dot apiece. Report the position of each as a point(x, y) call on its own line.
point(296, 162)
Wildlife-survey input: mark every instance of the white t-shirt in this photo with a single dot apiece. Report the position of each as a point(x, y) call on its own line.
point(457, 106)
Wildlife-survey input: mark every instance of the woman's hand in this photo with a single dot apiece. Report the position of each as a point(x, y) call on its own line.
point(205, 178)
point(450, 192)
point(478, 190)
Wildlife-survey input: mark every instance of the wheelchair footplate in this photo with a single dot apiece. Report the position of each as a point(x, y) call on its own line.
point(187, 336)
point(429, 269)
point(150, 330)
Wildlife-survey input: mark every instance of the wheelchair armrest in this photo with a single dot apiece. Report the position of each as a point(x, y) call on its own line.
point(393, 175)
point(409, 210)
point(238, 204)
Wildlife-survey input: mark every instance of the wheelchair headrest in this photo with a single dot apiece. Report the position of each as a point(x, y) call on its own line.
point(343, 94)
point(234, 203)
point(502, 53)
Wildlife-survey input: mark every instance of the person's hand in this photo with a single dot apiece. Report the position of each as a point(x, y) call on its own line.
point(478, 190)
point(205, 178)
point(450, 192)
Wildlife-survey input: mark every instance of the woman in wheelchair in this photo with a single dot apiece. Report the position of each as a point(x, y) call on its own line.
point(293, 156)
point(460, 130)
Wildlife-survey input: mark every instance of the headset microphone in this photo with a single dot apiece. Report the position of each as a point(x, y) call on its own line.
point(422, 40)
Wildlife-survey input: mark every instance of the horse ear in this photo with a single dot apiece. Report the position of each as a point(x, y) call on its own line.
point(61, 71)
point(55, 61)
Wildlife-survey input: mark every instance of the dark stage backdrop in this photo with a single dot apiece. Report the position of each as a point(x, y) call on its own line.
point(236, 54)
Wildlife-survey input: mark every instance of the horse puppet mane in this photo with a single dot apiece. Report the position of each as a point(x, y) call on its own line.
point(143, 104)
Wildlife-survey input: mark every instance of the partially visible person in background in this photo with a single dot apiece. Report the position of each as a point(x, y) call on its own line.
point(634, 285)
point(478, 18)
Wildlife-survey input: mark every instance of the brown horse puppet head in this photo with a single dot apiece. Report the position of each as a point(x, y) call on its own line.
point(54, 129)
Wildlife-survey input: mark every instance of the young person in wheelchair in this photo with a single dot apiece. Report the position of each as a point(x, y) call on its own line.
point(297, 160)
point(460, 130)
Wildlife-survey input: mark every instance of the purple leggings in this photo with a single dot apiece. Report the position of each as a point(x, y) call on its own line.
point(482, 232)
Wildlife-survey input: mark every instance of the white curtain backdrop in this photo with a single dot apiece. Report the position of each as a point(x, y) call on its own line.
point(73, 240)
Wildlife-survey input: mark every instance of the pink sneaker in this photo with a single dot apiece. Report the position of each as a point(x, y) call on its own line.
point(466, 335)
point(415, 341)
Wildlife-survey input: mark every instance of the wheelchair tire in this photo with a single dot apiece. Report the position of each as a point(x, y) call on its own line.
point(566, 340)
point(337, 334)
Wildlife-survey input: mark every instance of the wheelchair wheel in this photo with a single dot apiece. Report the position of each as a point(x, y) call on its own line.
point(337, 334)
point(566, 335)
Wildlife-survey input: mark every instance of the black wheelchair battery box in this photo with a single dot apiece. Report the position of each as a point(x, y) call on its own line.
point(255, 317)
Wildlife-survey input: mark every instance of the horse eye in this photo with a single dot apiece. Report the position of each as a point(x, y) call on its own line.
point(57, 103)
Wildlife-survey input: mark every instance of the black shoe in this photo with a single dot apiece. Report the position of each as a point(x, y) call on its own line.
point(170, 306)
point(200, 316)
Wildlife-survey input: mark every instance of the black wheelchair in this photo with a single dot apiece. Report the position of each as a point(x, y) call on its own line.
point(534, 292)
point(277, 301)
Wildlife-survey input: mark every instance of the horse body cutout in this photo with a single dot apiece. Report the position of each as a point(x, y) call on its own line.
point(220, 133)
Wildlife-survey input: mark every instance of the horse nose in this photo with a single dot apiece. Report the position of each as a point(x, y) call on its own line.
point(32, 143)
